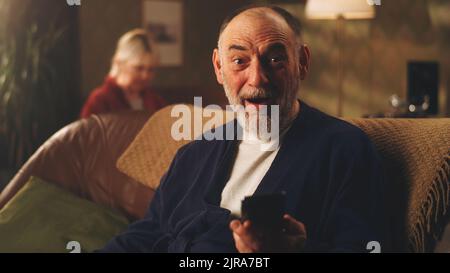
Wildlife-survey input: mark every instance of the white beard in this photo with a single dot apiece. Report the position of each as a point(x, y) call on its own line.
point(250, 118)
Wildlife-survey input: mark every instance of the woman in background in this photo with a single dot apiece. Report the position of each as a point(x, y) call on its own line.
point(128, 85)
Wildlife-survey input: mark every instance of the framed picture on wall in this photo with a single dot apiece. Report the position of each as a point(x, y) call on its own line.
point(164, 20)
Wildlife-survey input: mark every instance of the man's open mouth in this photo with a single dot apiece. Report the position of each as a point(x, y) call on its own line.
point(257, 101)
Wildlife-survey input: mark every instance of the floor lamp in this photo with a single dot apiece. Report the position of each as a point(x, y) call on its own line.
point(339, 10)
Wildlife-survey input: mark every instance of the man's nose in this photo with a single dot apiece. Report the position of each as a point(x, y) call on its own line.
point(257, 75)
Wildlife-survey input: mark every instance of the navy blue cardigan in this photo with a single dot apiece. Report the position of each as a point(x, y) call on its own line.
point(328, 168)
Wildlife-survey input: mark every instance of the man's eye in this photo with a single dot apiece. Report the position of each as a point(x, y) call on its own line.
point(238, 61)
point(277, 59)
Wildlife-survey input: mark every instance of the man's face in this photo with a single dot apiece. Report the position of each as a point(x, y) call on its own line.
point(257, 62)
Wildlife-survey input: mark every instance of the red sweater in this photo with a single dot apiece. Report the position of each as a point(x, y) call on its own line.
point(110, 98)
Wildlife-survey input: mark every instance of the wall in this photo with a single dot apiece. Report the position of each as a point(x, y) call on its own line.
point(376, 51)
point(103, 21)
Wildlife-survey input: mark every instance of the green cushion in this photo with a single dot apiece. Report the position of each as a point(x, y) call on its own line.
point(43, 218)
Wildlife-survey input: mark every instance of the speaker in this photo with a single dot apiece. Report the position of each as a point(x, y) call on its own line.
point(423, 85)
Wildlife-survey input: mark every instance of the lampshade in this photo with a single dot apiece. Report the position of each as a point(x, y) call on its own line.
point(333, 9)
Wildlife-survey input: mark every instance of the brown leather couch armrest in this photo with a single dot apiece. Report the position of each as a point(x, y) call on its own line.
point(81, 158)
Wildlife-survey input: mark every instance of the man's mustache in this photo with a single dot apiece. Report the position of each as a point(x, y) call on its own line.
point(256, 93)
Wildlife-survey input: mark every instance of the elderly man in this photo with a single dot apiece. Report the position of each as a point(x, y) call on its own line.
point(328, 168)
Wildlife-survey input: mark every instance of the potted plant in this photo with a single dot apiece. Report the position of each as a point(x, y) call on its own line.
point(33, 92)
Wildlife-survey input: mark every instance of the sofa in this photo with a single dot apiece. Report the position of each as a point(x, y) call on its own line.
point(116, 160)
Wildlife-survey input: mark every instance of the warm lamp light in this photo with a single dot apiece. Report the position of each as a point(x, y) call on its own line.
point(333, 9)
point(339, 10)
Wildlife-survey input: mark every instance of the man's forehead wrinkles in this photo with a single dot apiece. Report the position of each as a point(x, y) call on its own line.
point(270, 39)
point(237, 46)
point(256, 37)
point(251, 31)
point(262, 44)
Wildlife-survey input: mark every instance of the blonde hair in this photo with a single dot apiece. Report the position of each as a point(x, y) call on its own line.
point(132, 44)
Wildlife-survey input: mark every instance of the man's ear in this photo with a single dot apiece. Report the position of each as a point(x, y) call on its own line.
point(217, 65)
point(304, 60)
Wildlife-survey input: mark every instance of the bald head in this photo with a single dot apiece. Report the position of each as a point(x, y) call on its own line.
point(273, 13)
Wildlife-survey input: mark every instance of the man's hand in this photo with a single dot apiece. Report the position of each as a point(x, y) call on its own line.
point(249, 239)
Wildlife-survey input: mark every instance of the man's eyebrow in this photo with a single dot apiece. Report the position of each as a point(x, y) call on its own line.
point(237, 47)
point(276, 47)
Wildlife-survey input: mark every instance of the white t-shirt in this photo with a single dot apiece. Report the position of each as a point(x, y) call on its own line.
point(250, 166)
